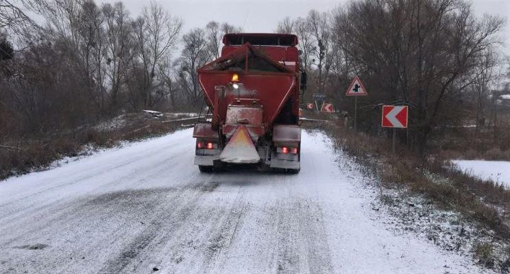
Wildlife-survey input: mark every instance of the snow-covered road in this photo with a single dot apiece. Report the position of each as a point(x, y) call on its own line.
point(145, 208)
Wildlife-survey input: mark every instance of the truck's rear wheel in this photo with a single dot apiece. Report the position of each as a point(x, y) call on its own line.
point(206, 169)
point(293, 171)
point(286, 170)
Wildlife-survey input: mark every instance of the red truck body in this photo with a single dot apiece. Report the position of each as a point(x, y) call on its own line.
point(253, 91)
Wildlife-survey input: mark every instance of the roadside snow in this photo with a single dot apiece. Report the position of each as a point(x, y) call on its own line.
point(155, 114)
point(497, 171)
point(145, 206)
point(112, 124)
point(178, 114)
point(152, 111)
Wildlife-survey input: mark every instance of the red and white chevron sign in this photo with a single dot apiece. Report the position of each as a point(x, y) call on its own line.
point(395, 116)
point(327, 107)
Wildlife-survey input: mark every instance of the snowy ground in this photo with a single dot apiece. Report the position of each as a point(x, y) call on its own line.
point(497, 171)
point(146, 208)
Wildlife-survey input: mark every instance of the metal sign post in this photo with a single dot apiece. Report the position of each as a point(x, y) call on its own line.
point(395, 117)
point(319, 99)
point(394, 140)
point(356, 89)
point(356, 114)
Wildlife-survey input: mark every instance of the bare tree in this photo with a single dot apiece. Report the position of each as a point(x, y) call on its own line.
point(194, 55)
point(227, 28)
point(317, 25)
point(156, 34)
point(287, 25)
point(78, 25)
point(90, 28)
point(13, 13)
point(214, 32)
point(166, 74)
point(82, 64)
point(420, 53)
point(214, 35)
point(483, 76)
point(120, 49)
point(307, 43)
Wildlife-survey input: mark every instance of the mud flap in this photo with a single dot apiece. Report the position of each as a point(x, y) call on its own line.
point(284, 164)
point(289, 136)
point(240, 149)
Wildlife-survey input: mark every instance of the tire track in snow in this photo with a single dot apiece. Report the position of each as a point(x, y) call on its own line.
point(54, 211)
point(302, 239)
point(79, 179)
point(224, 235)
point(170, 218)
point(207, 234)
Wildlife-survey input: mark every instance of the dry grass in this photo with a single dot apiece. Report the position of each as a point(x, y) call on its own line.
point(483, 252)
point(490, 144)
point(474, 198)
point(494, 154)
point(41, 152)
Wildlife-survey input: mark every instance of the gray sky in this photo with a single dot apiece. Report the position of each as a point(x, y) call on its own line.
point(264, 15)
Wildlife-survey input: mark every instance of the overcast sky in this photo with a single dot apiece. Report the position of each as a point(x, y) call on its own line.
point(264, 15)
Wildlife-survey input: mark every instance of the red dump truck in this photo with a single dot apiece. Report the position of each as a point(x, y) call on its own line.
point(253, 92)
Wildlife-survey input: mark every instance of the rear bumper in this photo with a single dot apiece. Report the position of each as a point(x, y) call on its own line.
point(206, 160)
point(276, 163)
point(286, 162)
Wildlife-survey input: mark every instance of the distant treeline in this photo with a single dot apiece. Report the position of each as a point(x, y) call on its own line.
point(435, 56)
point(90, 61)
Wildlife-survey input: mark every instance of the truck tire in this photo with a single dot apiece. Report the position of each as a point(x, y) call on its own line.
point(206, 169)
point(293, 171)
point(286, 170)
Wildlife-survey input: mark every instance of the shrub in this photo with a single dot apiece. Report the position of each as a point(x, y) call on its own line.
point(96, 137)
point(506, 155)
point(472, 155)
point(483, 252)
point(40, 151)
point(494, 154)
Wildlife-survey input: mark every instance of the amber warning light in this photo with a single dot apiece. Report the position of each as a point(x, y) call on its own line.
point(235, 78)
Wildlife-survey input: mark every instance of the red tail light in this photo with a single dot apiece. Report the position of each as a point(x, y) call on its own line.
point(210, 146)
point(285, 150)
point(200, 145)
point(294, 150)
